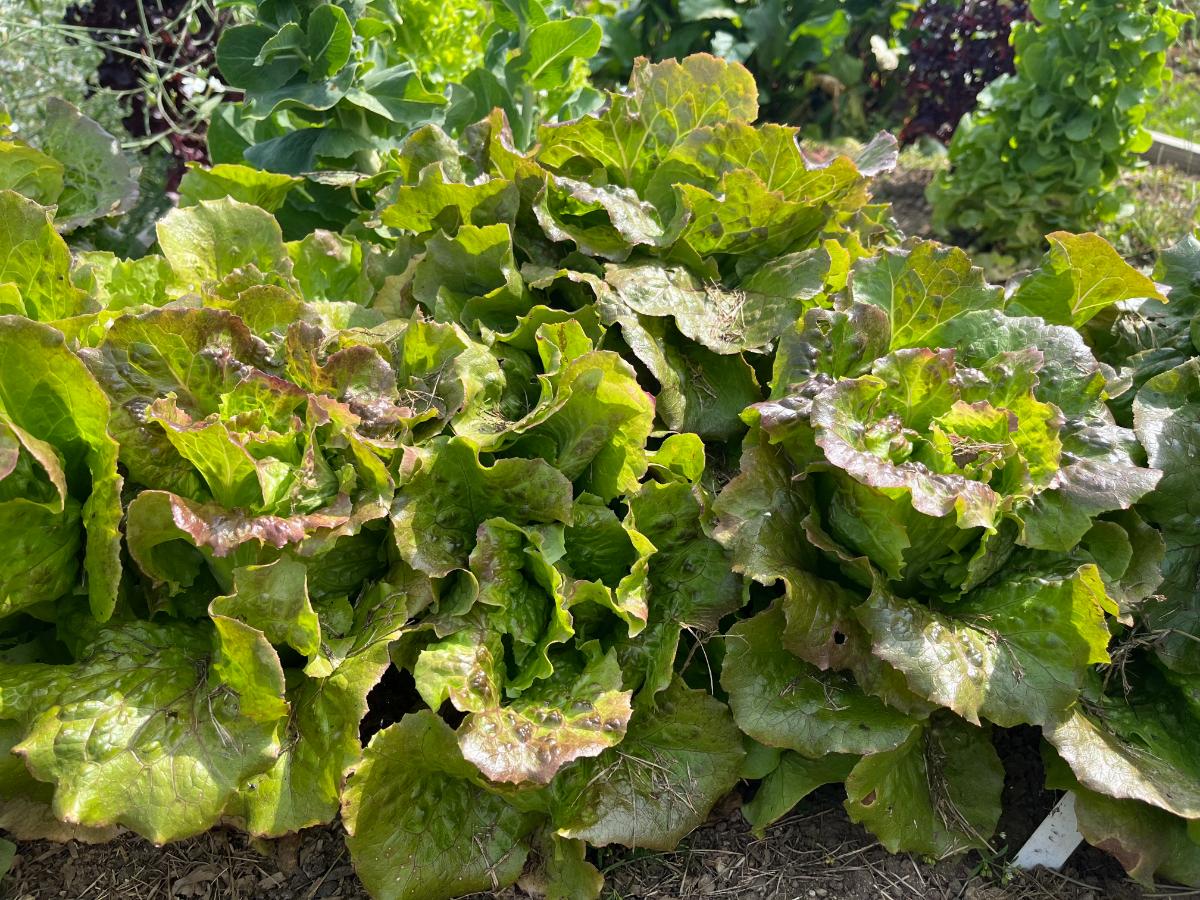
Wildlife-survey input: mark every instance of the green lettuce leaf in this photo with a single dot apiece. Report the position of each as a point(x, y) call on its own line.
point(1081, 276)
point(782, 701)
point(154, 728)
point(937, 794)
point(413, 798)
point(1014, 652)
point(450, 493)
point(682, 753)
point(47, 393)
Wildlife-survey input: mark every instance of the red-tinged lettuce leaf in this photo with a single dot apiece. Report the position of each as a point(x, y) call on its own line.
point(199, 355)
point(938, 794)
point(1014, 652)
point(418, 825)
point(682, 753)
point(47, 393)
point(1081, 276)
point(839, 343)
point(1149, 843)
point(782, 701)
point(450, 493)
point(154, 728)
point(922, 425)
point(171, 540)
point(607, 221)
point(571, 715)
point(1070, 377)
point(1136, 747)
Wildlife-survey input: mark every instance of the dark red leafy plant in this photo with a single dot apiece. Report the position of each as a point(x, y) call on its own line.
point(956, 49)
point(156, 55)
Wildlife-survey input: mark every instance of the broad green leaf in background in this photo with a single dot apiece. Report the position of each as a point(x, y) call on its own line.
point(1081, 275)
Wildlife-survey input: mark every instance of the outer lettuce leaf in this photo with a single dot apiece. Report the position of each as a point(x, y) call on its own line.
point(1165, 414)
point(47, 393)
point(154, 728)
point(937, 794)
point(682, 753)
point(98, 179)
point(782, 701)
point(1081, 276)
point(1014, 652)
point(564, 718)
point(412, 798)
point(1136, 747)
point(794, 779)
point(34, 264)
point(1148, 842)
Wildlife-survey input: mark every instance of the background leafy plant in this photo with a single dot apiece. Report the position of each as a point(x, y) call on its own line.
point(953, 51)
point(1047, 144)
point(337, 91)
point(817, 62)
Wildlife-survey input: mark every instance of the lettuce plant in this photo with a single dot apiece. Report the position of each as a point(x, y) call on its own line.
point(940, 490)
point(334, 87)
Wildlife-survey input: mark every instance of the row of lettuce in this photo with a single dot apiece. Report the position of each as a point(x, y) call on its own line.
point(623, 469)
